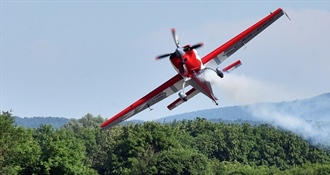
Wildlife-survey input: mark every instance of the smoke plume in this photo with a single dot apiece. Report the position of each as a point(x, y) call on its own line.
point(316, 132)
point(253, 93)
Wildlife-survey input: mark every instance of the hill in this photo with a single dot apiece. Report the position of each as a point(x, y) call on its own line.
point(35, 122)
point(313, 109)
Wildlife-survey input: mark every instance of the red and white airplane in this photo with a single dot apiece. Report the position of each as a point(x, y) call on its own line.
point(189, 65)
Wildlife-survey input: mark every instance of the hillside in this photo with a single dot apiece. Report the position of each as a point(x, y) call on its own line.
point(35, 122)
point(314, 109)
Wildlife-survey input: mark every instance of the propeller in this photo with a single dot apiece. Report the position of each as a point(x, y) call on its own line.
point(176, 38)
point(195, 46)
point(163, 56)
point(176, 41)
point(179, 51)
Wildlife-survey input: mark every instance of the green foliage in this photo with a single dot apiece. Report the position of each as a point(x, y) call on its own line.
point(181, 147)
point(179, 161)
point(62, 152)
point(19, 152)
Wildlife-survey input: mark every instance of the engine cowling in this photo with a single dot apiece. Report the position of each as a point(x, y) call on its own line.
point(183, 96)
point(219, 72)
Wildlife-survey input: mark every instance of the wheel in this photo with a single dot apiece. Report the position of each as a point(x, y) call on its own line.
point(183, 96)
point(219, 72)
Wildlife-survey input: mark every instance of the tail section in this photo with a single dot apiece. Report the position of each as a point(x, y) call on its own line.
point(191, 93)
point(232, 66)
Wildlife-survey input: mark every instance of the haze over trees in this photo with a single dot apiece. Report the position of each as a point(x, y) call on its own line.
point(180, 147)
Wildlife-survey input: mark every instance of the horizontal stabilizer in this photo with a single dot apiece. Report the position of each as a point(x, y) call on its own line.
point(232, 66)
point(191, 93)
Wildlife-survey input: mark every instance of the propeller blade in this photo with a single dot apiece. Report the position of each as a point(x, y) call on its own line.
point(175, 37)
point(196, 46)
point(163, 56)
point(188, 48)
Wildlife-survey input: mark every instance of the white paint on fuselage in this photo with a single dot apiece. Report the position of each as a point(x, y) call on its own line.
point(199, 58)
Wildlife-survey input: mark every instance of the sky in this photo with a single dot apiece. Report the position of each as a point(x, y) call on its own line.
point(70, 58)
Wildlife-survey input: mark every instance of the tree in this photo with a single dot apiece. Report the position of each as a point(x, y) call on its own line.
point(179, 161)
point(62, 152)
point(19, 152)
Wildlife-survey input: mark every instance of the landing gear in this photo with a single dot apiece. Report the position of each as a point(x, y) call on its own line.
point(183, 96)
point(219, 72)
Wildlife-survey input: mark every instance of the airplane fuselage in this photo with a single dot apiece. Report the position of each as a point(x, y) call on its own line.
point(192, 63)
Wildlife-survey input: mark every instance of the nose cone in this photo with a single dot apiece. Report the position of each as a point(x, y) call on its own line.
point(179, 52)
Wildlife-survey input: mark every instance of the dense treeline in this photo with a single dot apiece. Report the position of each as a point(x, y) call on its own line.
point(185, 147)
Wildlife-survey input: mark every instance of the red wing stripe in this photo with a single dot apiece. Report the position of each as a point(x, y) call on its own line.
point(238, 41)
point(129, 111)
point(172, 105)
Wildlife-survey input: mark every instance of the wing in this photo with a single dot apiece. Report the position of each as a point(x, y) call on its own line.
point(157, 95)
point(223, 52)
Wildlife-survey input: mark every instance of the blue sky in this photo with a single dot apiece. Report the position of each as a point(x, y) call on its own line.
point(68, 59)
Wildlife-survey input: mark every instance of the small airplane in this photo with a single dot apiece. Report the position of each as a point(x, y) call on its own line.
point(189, 65)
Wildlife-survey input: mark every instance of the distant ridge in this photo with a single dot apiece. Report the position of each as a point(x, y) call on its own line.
point(312, 109)
point(224, 113)
point(35, 122)
point(316, 108)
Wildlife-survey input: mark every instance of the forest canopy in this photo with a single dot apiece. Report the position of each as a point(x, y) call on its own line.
point(180, 147)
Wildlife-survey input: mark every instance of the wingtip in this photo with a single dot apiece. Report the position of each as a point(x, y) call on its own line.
point(286, 15)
